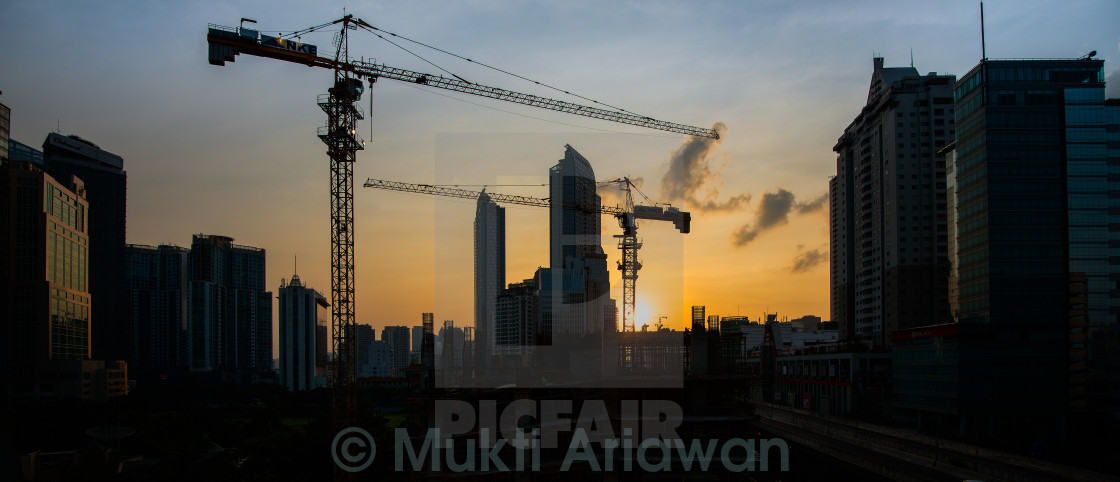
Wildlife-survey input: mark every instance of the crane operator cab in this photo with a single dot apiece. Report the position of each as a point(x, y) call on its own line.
point(349, 89)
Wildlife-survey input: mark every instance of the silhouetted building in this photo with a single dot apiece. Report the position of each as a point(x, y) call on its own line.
point(44, 254)
point(489, 274)
point(230, 324)
point(106, 184)
point(578, 284)
point(5, 131)
point(364, 334)
point(515, 327)
point(45, 303)
point(417, 342)
point(20, 152)
point(888, 207)
point(451, 354)
point(156, 280)
point(397, 339)
point(302, 312)
point(378, 360)
point(427, 349)
point(1032, 251)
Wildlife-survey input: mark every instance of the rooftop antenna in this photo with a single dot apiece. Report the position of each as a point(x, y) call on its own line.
point(911, 57)
point(295, 264)
point(983, 47)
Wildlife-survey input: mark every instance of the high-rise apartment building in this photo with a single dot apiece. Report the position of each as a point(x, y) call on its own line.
point(417, 342)
point(363, 335)
point(515, 328)
point(302, 311)
point(888, 207)
point(489, 274)
point(397, 339)
point(378, 360)
point(156, 283)
point(106, 181)
point(230, 318)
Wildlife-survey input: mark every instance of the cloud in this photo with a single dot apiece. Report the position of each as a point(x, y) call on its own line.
point(814, 205)
point(773, 211)
point(612, 195)
point(689, 174)
point(808, 260)
point(1112, 84)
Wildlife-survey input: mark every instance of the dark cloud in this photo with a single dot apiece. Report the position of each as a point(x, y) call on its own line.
point(808, 260)
point(690, 174)
point(773, 211)
point(814, 205)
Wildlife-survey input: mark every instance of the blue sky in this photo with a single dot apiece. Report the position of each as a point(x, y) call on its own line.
point(231, 150)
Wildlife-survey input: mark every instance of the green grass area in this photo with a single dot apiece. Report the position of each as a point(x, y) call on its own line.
point(296, 422)
point(394, 419)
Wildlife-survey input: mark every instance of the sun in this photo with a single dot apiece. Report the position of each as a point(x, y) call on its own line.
point(643, 314)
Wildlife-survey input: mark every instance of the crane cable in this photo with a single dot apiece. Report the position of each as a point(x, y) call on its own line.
point(367, 26)
point(418, 87)
point(414, 54)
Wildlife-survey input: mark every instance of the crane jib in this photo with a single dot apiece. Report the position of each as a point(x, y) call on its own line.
point(227, 42)
point(289, 45)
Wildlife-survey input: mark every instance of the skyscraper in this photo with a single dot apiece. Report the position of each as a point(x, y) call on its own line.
point(489, 274)
point(106, 182)
point(1035, 280)
point(578, 281)
point(44, 290)
point(888, 207)
point(44, 257)
point(230, 319)
point(302, 311)
point(156, 280)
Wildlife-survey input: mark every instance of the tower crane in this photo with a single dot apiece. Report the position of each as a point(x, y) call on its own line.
point(627, 216)
point(340, 136)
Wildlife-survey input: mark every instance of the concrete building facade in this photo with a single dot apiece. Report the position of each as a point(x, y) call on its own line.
point(888, 233)
point(302, 311)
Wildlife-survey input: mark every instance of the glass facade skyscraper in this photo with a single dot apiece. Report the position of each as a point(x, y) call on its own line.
point(106, 181)
point(489, 275)
point(45, 261)
point(579, 285)
point(1034, 274)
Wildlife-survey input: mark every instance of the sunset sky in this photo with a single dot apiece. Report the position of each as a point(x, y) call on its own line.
point(232, 150)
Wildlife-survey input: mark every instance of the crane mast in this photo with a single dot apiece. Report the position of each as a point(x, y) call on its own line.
point(342, 140)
